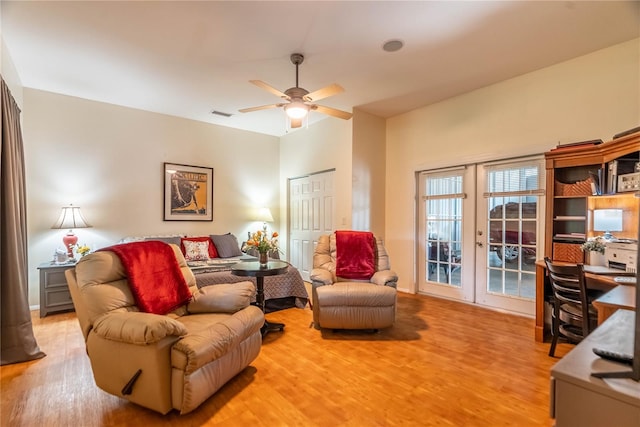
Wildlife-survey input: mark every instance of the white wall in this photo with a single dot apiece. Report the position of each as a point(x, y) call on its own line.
point(324, 145)
point(591, 97)
point(109, 160)
point(369, 154)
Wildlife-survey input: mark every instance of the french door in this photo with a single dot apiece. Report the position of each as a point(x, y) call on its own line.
point(446, 212)
point(510, 216)
point(478, 233)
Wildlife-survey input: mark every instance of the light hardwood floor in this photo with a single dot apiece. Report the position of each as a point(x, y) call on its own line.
point(442, 364)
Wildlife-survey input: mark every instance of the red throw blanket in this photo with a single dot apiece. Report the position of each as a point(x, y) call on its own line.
point(355, 255)
point(154, 275)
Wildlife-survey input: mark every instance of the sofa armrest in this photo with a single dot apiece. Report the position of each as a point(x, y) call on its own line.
point(134, 327)
point(224, 298)
point(321, 277)
point(385, 278)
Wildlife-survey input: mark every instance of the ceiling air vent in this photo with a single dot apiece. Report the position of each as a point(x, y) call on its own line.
point(220, 113)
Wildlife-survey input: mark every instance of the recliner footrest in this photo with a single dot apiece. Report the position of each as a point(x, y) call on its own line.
point(356, 294)
point(352, 305)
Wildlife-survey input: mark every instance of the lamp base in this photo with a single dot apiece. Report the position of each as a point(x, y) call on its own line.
point(70, 241)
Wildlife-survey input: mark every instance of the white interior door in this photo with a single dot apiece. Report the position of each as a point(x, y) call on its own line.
point(311, 214)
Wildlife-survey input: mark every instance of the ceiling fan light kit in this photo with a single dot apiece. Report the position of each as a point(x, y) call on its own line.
point(296, 109)
point(300, 100)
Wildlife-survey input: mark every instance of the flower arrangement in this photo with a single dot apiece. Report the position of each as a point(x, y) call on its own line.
point(262, 243)
point(594, 244)
point(83, 249)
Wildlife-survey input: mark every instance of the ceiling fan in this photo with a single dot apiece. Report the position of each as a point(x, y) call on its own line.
point(299, 100)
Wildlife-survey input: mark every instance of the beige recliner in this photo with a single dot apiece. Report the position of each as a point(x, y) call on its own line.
point(349, 304)
point(163, 362)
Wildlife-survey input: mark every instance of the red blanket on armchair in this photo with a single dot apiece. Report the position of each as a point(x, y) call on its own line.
point(355, 255)
point(154, 276)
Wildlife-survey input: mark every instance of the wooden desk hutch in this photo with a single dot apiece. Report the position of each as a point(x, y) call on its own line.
point(580, 179)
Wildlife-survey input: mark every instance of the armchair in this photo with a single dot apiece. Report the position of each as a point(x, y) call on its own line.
point(340, 303)
point(162, 362)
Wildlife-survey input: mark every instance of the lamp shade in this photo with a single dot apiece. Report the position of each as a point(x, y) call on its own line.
point(70, 218)
point(264, 215)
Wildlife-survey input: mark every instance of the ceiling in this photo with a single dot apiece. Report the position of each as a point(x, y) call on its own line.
point(188, 58)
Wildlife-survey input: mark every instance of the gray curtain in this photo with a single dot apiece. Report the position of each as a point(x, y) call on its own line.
point(17, 341)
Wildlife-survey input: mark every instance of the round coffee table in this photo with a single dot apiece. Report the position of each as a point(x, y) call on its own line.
point(255, 269)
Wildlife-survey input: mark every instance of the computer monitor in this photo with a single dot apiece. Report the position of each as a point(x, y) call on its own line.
point(607, 220)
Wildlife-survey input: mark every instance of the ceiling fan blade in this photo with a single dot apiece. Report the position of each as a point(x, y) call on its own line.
point(262, 107)
point(296, 123)
point(325, 92)
point(268, 88)
point(332, 112)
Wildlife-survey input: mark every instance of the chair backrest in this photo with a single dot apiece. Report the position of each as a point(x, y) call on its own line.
point(325, 254)
point(98, 285)
point(438, 251)
point(569, 286)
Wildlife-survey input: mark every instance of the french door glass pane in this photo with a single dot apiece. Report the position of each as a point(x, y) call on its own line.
point(512, 231)
point(443, 240)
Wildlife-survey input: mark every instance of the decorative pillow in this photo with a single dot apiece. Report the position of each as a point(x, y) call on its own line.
point(167, 239)
point(196, 251)
point(226, 245)
point(213, 253)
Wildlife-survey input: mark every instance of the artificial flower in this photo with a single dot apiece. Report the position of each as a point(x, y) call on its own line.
point(262, 243)
point(83, 249)
point(594, 244)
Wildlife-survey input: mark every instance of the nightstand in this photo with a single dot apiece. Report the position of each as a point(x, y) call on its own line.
point(54, 291)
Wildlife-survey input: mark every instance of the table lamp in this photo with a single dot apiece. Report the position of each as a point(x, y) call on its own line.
point(607, 220)
point(70, 218)
point(264, 215)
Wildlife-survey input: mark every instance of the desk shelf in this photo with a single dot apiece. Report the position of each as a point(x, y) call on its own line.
point(570, 202)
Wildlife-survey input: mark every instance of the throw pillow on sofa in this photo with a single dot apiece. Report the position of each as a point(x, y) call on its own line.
point(226, 245)
point(213, 253)
point(196, 251)
point(171, 240)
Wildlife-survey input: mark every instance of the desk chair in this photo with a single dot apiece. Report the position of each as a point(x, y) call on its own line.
point(573, 316)
point(439, 258)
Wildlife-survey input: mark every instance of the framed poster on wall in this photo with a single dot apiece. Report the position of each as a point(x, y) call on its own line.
point(188, 193)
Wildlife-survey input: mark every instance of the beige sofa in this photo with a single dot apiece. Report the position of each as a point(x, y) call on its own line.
point(163, 362)
point(348, 304)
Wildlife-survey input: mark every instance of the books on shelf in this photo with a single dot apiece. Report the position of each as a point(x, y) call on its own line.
point(626, 132)
point(573, 237)
point(571, 218)
point(579, 144)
